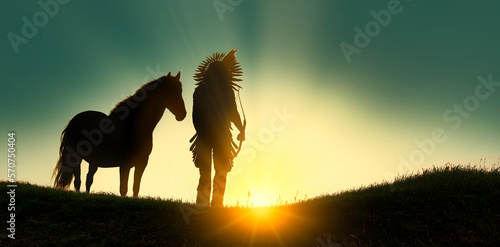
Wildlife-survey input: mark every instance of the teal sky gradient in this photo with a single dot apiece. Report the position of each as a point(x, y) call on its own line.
point(352, 120)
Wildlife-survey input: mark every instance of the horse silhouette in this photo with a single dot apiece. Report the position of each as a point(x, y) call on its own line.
point(124, 138)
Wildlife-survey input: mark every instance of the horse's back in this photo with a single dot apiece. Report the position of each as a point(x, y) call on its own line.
point(89, 116)
point(85, 120)
point(96, 130)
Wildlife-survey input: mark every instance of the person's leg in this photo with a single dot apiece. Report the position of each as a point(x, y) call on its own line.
point(204, 186)
point(222, 165)
point(204, 164)
point(219, 188)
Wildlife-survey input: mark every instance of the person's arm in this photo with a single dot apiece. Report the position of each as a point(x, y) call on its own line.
point(237, 121)
point(235, 118)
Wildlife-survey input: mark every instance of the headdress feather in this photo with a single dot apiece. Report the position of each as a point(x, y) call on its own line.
point(228, 60)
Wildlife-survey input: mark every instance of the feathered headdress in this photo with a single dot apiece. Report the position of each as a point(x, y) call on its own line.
point(228, 60)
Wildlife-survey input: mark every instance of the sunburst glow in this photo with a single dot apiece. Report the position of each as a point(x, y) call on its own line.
point(262, 212)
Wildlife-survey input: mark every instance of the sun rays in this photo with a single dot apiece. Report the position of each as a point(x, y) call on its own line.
point(252, 226)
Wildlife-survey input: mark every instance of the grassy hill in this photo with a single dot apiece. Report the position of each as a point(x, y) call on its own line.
point(451, 206)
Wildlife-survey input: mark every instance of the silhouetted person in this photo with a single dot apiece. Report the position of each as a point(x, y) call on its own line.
point(214, 109)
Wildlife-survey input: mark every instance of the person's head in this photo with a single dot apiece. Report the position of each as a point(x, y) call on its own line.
point(217, 73)
point(219, 69)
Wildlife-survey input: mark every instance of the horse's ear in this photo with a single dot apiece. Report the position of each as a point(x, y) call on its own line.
point(169, 75)
point(178, 76)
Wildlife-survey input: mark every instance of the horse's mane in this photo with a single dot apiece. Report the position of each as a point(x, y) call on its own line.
point(123, 102)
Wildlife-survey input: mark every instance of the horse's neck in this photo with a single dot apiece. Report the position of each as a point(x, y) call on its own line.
point(139, 118)
point(149, 114)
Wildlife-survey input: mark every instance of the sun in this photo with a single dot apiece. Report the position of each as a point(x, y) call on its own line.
point(261, 212)
point(260, 201)
point(266, 222)
point(259, 198)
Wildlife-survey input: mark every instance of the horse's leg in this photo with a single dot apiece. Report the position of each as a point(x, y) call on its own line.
point(78, 181)
point(139, 170)
point(124, 172)
point(90, 176)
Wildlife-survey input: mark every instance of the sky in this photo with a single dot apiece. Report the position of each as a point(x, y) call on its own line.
point(337, 94)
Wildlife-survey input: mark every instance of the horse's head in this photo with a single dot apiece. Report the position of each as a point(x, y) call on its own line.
point(172, 87)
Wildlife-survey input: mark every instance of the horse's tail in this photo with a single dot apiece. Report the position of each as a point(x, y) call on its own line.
point(62, 172)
